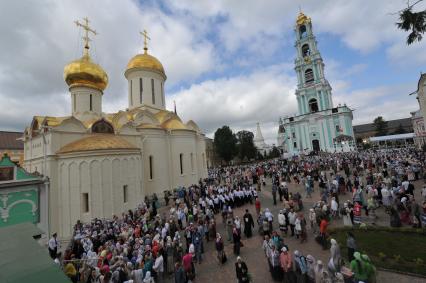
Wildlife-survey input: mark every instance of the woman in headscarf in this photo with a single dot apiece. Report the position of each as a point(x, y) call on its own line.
point(346, 212)
point(359, 268)
point(334, 207)
point(335, 259)
point(241, 271)
point(310, 262)
point(282, 223)
point(300, 267)
point(286, 265)
point(321, 274)
point(371, 269)
point(219, 249)
point(351, 244)
point(148, 278)
point(275, 266)
point(170, 264)
point(237, 241)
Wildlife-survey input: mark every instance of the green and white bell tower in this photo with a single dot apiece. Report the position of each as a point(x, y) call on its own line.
point(313, 90)
point(318, 126)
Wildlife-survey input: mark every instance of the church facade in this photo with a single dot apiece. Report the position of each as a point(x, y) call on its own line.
point(319, 125)
point(102, 164)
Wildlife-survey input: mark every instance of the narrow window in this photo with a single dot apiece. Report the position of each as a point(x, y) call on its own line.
point(85, 202)
point(309, 76)
point(162, 94)
point(305, 50)
point(181, 163)
point(91, 103)
point(302, 32)
point(337, 128)
point(131, 92)
point(293, 134)
point(140, 90)
point(151, 169)
point(125, 194)
point(192, 162)
point(153, 93)
point(75, 102)
point(295, 145)
point(313, 105)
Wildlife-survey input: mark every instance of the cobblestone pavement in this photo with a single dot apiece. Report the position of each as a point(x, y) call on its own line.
point(210, 270)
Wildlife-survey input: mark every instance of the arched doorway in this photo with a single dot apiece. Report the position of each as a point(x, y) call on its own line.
point(315, 145)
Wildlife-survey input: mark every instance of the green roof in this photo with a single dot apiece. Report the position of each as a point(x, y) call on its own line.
point(21, 174)
point(23, 259)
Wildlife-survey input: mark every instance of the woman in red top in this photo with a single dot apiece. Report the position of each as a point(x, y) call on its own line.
point(187, 266)
point(323, 232)
point(257, 205)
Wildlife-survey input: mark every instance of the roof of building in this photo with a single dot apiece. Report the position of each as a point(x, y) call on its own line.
point(145, 61)
point(143, 117)
point(21, 174)
point(23, 259)
point(392, 137)
point(97, 142)
point(9, 140)
point(392, 124)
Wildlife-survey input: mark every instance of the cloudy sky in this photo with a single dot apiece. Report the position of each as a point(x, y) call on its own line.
point(227, 61)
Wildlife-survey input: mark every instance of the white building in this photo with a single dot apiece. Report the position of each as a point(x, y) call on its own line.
point(259, 142)
point(101, 164)
point(319, 125)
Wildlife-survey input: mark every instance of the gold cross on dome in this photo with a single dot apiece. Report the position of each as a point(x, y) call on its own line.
point(145, 40)
point(87, 29)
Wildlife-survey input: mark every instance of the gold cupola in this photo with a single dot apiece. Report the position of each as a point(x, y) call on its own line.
point(145, 61)
point(84, 72)
point(302, 19)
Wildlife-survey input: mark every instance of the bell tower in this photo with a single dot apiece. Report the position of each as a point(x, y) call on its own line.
point(313, 90)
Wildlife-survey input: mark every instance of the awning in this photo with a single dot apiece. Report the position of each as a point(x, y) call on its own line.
point(23, 259)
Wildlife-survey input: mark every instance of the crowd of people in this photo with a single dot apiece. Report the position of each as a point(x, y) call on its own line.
point(145, 246)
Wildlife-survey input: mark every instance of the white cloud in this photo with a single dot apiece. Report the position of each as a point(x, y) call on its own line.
point(240, 101)
point(40, 39)
point(192, 39)
point(391, 102)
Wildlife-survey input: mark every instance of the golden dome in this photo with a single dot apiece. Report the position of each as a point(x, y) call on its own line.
point(302, 19)
point(97, 142)
point(148, 126)
point(83, 72)
point(174, 123)
point(145, 61)
point(162, 115)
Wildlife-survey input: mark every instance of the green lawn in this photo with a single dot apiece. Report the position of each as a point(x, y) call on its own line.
point(394, 249)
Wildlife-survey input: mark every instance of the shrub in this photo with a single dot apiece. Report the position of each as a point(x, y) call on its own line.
point(382, 256)
point(397, 258)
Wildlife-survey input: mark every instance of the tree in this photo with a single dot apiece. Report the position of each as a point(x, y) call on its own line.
point(245, 145)
point(381, 126)
point(415, 22)
point(399, 130)
point(275, 152)
point(225, 143)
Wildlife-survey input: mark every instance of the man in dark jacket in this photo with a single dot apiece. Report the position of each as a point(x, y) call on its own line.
point(248, 224)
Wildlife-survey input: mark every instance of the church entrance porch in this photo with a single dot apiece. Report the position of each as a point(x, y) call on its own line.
point(315, 145)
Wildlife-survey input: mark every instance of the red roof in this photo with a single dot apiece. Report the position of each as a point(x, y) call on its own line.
point(8, 140)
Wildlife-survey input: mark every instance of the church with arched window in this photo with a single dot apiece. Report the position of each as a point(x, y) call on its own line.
point(319, 125)
point(102, 164)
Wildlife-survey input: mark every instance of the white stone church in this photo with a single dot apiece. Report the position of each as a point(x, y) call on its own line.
point(100, 164)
